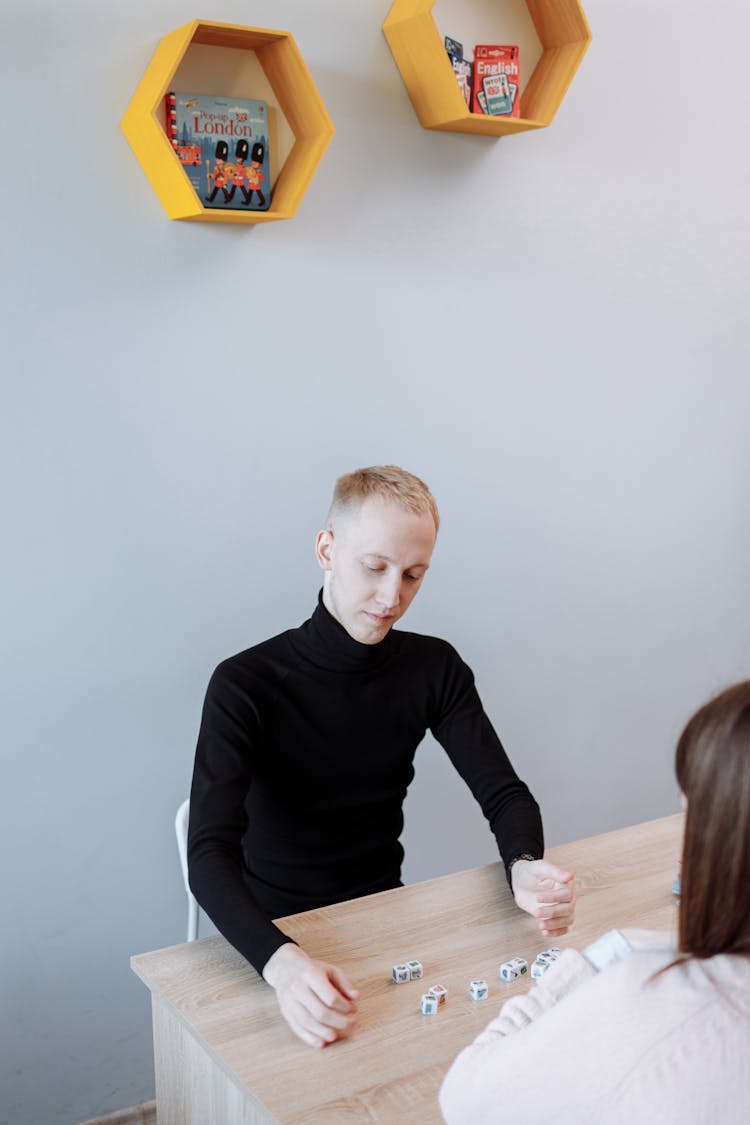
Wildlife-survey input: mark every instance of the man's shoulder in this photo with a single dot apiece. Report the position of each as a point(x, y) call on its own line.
point(434, 663)
point(270, 654)
point(426, 646)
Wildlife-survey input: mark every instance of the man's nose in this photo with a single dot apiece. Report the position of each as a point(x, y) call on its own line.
point(388, 592)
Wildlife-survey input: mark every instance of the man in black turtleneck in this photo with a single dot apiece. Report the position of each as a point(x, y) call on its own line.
point(306, 748)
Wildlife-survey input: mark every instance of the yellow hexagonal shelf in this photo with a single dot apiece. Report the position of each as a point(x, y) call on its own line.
point(230, 55)
point(420, 56)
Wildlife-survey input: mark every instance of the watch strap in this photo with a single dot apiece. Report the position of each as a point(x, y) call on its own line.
point(509, 868)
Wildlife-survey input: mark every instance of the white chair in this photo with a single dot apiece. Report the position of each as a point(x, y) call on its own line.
point(181, 830)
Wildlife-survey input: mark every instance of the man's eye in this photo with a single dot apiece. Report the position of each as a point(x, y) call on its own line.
point(375, 569)
point(414, 577)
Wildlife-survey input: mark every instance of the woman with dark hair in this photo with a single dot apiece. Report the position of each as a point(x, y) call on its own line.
point(640, 1028)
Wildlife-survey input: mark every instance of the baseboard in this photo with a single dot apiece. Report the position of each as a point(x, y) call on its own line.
point(142, 1114)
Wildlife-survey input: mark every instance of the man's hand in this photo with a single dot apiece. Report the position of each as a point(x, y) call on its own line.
point(545, 892)
point(315, 999)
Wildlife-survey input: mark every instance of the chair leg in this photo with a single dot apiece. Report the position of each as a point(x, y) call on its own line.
point(192, 933)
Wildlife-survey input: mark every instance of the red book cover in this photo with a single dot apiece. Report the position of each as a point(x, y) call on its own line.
point(491, 60)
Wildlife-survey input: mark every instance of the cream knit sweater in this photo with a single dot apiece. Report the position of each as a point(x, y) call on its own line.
point(613, 1048)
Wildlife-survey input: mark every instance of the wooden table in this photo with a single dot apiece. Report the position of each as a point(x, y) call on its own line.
point(224, 1056)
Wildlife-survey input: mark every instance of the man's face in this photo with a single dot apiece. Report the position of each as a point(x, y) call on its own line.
point(374, 559)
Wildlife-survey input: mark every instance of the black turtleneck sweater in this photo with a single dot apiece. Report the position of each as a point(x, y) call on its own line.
point(304, 757)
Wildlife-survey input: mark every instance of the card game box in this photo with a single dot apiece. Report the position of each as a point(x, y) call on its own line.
point(462, 67)
point(496, 84)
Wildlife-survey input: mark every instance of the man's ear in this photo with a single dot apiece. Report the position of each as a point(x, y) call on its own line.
point(324, 549)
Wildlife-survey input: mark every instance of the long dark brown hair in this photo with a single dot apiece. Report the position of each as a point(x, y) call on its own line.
point(712, 764)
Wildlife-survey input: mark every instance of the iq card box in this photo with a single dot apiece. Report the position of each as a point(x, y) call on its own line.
point(499, 63)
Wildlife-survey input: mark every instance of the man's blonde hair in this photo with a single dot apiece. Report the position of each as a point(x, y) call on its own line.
point(388, 482)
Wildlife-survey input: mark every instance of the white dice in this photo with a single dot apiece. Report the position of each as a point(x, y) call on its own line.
point(430, 1004)
point(544, 960)
point(479, 989)
point(410, 970)
point(439, 992)
point(511, 970)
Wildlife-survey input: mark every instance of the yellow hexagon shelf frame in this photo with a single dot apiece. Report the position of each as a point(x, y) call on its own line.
point(297, 98)
point(420, 56)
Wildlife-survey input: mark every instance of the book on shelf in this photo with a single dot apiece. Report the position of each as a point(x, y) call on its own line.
point(496, 82)
point(222, 144)
point(462, 67)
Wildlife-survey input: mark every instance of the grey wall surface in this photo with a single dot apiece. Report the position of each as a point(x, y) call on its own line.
point(551, 329)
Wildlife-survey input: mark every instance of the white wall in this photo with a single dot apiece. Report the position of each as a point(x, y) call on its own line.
point(551, 329)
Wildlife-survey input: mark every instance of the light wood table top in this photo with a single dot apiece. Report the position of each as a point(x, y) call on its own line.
point(459, 926)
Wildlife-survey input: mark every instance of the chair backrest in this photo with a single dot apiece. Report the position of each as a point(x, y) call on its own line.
point(181, 831)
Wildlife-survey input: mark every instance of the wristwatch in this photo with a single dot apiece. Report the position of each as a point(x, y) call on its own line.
point(509, 868)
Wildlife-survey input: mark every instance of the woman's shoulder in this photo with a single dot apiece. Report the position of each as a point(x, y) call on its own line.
point(655, 967)
point(723, 979)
